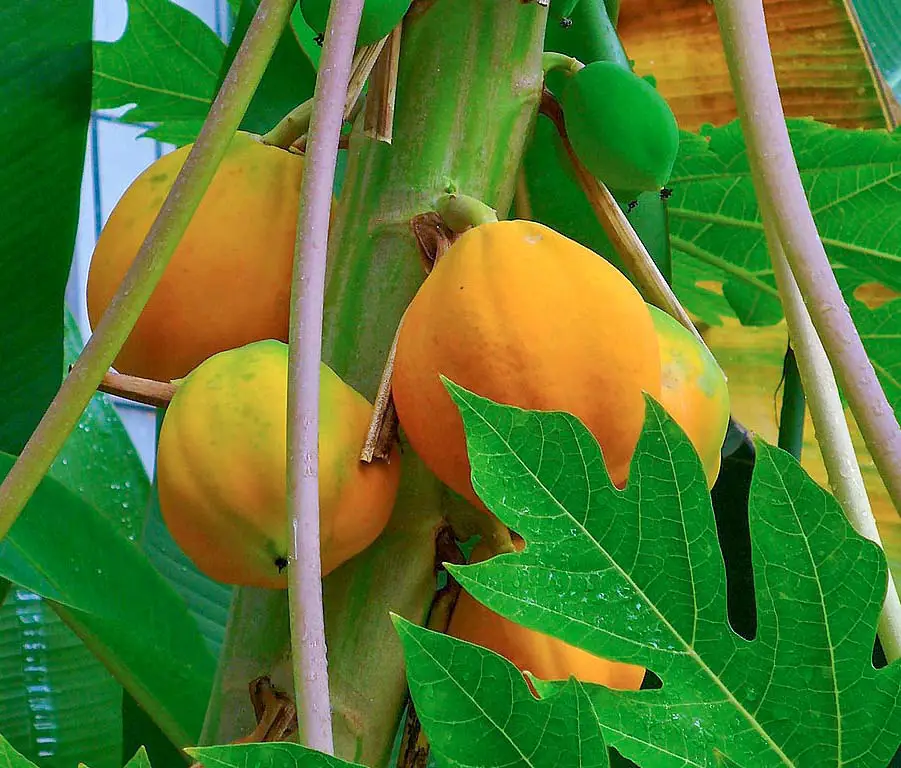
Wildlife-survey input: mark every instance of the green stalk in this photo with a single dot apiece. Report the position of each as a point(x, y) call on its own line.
point(468, 89)
point(791, 415)
point(777, 182)
point(460, 122)
point(832, 432)
point(824, 346)
point(596, 22)
point(223, 120)
point(304, 353)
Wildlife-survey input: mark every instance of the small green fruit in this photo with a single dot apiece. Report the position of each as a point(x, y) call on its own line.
point(379, 17)
point(621, 128)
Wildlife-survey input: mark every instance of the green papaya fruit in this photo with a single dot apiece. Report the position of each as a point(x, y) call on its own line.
point(621, 128)
point(379, 17)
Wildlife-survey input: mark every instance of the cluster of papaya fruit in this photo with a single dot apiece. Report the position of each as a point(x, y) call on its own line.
point(513, 311)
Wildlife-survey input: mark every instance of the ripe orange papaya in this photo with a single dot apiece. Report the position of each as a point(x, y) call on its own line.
point(524, 316)
point(229, 280)
point(546, 657)
point(693, 390)
point(222, 476)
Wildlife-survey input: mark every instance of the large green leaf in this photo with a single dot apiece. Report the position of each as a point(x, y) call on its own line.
point(477, 709)
point(58, 705)
point(105, 588)
point(850, 179)
point(881, 24)
point(10, 758)
point(880, 331)
point(270, 755)
point(167, 64)
point(637, 576)
point(45, 76)
point(60, 701)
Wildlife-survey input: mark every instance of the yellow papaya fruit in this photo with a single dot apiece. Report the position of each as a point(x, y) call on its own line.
point(522, 315)
point(546, 657)
point(693, 390)
point(229, 280)
point(222, 469)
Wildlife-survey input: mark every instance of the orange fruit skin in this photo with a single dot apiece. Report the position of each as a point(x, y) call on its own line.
point(524, 316)
point(693, 390)
point(546, 657)
point(222, 468)
point(228, 282)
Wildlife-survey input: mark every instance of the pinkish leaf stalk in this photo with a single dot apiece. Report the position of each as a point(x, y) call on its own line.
point(305, 351)
point(833, 435)
point(778, 185)
point(120, 317)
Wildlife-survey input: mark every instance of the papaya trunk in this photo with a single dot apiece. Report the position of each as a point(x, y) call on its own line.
point(467, 95)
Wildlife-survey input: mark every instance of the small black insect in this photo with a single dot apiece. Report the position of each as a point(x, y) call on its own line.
point(281, 563)
point(633, 204)
point(666, 193)
point(566, 22)
point(319, 39)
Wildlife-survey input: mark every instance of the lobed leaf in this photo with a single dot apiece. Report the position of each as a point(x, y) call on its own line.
point(166, 64)
point(637, 576)
point(266, 755)
point(851, 180)
point(478, 711)
point(106, 589)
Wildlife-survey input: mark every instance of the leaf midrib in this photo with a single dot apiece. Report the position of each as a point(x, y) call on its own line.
point(752, 721)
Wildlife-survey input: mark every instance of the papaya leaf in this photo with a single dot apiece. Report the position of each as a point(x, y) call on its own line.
point(99, 463)
point(851, 182)
point(166, 64)
point(269, 754)
point(45, 71)
point(637, 576)
point(107, 591)
point(882, 30)
point(476, 708)
point(880, 332)
point(140, 760)
point(10, 758)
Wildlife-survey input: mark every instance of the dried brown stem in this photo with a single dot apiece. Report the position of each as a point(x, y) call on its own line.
point(365, 60)
point(138, 390)
point(275, 712)
point(434, 238)
point(378, 119)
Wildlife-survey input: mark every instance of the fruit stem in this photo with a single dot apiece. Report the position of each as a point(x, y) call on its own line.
point(628, 245)
point(830, 426)
point(460, 212)
point(780, 191)
point(291, 127)
point(599, 31)
point(304, 355)
point(138, 390)
point(791, 416)
point(222, 122)
point(560, 62)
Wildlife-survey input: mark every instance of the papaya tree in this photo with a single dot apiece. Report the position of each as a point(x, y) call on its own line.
point(458, 318)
